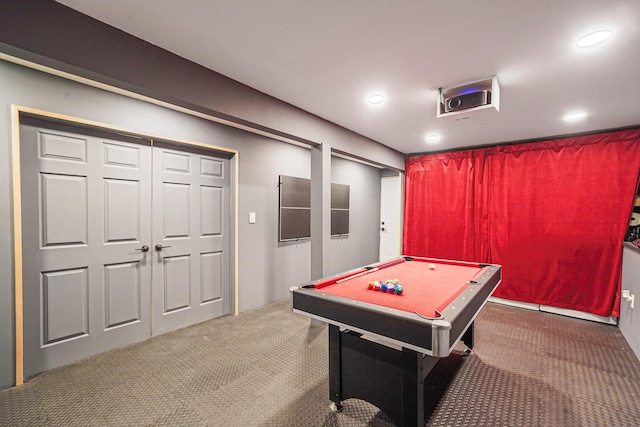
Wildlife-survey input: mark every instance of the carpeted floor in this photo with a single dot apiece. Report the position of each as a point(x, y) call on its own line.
point(269, 367)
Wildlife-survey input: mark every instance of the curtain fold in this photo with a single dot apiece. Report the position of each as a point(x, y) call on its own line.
point(448, 227)
point(553, 213)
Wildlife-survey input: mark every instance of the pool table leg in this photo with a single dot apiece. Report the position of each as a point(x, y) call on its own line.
point(387, 377)
point(467, 338)
point(335, 389)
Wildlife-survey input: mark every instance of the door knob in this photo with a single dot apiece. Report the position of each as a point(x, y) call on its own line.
point(159, 247)
point(144, 248)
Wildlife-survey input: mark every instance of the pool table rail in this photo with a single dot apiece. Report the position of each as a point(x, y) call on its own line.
point(434, 337)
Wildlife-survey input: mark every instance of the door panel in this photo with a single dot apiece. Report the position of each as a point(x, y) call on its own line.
point(64, 209)
point(191, 270)
point(86, 201)
point(65, 308)
point(176, 210)
point(115, 191)
point(211, 211)
point(122, 294)
point(177, 283)
point(211, 278)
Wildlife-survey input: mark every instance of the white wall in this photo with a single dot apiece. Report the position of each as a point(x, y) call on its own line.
point(630, 318)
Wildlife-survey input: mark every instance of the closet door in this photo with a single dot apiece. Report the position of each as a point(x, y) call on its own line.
point(191, 202)
point(86, 208)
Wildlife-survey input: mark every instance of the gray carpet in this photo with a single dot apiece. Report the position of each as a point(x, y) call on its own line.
point(269, 367)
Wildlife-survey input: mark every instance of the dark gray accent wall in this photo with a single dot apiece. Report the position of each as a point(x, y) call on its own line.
point(54, 35)
point(7, 314)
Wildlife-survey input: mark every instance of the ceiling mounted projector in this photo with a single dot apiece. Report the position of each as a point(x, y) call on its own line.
point(474, 97)
point(468, 100)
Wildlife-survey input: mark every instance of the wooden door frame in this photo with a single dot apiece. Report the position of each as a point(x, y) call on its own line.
point(16, 111)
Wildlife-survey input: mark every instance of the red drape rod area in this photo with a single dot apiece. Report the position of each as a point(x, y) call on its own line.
point(553, 213)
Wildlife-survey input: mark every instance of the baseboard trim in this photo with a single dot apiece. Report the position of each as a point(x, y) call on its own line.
point(525, 305)
point(579, 315)
point(555, 310)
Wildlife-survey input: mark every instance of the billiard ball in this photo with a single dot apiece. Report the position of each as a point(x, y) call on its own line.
point(376, 286)
point(398, 289)
point(370, 285)
point(432, 266)
point(383, 287)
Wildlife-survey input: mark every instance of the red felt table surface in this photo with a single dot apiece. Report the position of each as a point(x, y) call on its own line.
point(424, 290)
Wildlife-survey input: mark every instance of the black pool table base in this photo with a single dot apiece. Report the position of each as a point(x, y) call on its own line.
point(391, 379)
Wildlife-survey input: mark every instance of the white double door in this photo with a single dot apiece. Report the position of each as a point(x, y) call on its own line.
point(122, 240)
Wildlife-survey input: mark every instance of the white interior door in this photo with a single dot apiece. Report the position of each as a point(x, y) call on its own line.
point(191, 238)
point(112, 228)
point(86, 279)
point(390, 217)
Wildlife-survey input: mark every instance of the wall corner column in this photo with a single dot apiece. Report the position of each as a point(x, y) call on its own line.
point(320, 210)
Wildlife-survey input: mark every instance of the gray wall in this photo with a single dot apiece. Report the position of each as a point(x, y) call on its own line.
point(630, 318)
point(267, 268)
point(362, 246)
point(47, 33)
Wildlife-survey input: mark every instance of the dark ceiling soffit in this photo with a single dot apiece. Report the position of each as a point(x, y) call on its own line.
point(53, 35)
point(360, 159)
point(109, 81)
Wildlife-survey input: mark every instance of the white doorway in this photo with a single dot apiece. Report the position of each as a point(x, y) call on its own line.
point(390, 217)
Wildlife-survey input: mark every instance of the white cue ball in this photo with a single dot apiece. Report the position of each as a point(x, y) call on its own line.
point(432, 266)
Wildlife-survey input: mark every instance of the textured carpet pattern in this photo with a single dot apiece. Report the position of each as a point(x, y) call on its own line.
point(269, 367)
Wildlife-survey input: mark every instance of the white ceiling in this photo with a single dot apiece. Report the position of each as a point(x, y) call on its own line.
point(328, 56)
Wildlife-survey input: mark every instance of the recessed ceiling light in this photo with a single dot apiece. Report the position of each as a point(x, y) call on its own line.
point(433, 137)
point(375, 99)
point(572, 117)
point(594, 38)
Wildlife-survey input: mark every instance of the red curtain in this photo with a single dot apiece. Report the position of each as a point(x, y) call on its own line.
point(553, 214)
point(450, 227)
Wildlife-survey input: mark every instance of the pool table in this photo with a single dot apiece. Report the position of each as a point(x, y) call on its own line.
point(383, 344)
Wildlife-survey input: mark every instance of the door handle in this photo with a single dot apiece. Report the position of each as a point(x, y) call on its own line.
point(159, 247)
point(144, 248)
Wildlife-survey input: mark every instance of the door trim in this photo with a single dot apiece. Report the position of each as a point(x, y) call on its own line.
point(16, 111)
